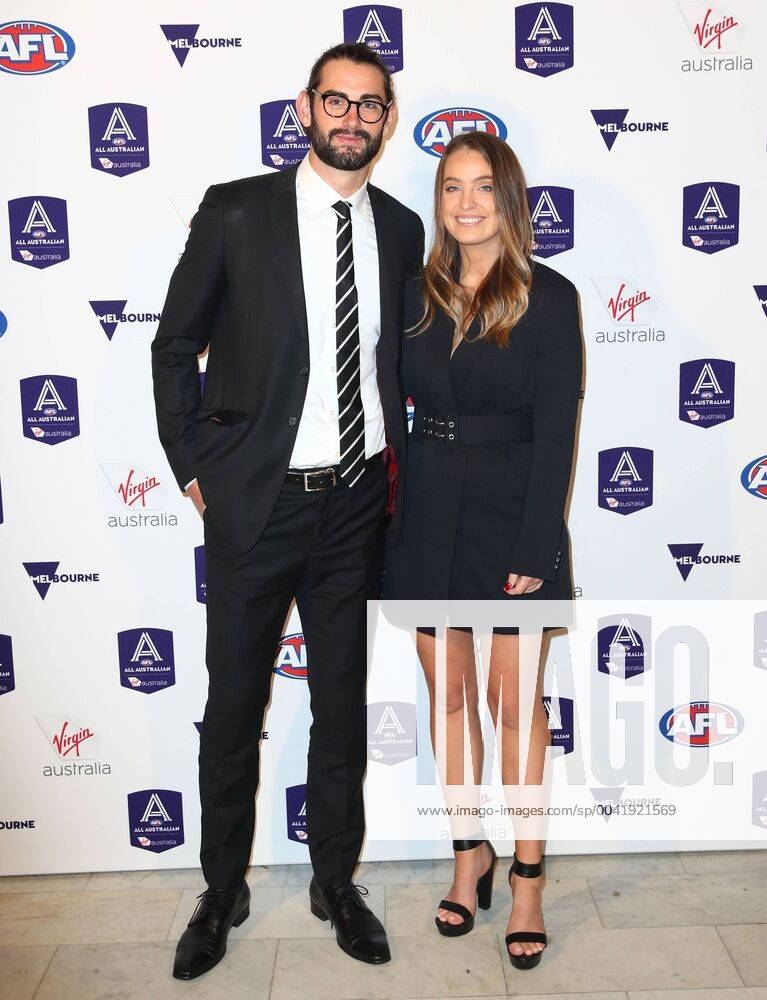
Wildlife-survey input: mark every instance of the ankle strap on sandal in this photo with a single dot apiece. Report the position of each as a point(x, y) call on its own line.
point(526, 869)
point(466, 845)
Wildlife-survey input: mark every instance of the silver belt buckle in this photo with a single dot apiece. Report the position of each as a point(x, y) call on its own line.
point(318, 472)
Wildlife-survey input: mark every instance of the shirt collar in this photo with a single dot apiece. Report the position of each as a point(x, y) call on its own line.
point(318, 195)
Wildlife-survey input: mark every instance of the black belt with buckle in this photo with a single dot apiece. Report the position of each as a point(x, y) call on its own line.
point(314, 480)
point(480, 429)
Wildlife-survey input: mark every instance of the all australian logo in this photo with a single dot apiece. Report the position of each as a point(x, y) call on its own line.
point(544, 38)
point(623, 644)
point(7, 677)
point(553, 215)
point(688, 555)
point(435, 130)
point(156, 819)
point(295, 814)
point(391, 732)
point(38, 230)
point(76, 745)
point(630, 307)
point(761, 294)
point(184, 38)
point(717, 33)
point(142, 495)
point(612, 123)
point(378, 27)
point(147, 662)
point(706, 391)
point(119, 138)
point(30, 48)
point(560, 717)
point(45, 574)
point(710, 216)
point(625, 479)
point(283, 139)
point(49, 408)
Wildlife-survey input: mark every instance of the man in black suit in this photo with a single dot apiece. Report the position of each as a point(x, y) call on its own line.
point(294, 280)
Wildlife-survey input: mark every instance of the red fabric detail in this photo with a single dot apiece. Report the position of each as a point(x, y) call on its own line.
point(392, 474)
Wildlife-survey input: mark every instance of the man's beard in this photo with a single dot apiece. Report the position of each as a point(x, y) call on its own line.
point(343, 159)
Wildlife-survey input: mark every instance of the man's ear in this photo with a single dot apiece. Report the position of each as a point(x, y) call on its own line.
point(303, 105)
point(391, 121)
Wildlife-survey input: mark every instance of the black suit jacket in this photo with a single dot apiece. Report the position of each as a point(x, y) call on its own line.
point(238, 287)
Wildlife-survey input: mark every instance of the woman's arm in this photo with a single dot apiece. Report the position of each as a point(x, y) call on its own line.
point(558, 373)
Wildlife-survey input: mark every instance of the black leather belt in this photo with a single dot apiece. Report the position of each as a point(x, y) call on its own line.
point(481, 429)
point(314, 480)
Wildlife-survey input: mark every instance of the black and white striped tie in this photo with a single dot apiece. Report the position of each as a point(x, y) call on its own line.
point(351, 416)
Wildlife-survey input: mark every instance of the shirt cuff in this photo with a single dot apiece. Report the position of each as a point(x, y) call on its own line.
point(190, 483)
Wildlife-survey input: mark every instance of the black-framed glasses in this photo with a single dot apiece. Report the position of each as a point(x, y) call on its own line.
point(336, 105)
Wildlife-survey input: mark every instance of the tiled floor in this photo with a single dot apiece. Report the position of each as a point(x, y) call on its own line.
point(621, 927)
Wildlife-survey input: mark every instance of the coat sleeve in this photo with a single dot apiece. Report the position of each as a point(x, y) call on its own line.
point(185, 328)
point(558, 373)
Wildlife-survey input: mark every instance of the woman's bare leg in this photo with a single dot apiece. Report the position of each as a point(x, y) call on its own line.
point(504, 687)
point(459, 760)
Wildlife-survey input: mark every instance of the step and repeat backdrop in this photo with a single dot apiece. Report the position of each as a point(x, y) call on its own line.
point(641, 128)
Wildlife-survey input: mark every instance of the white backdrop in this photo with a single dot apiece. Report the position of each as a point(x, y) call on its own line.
point(100, 508)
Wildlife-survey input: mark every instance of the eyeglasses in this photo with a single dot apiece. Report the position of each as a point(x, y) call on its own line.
point(337, 106)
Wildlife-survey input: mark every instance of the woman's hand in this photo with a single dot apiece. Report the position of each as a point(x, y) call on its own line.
point(517, 584)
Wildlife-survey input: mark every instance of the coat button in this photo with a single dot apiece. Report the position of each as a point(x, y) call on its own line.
point(303, 370)
point(292, 421)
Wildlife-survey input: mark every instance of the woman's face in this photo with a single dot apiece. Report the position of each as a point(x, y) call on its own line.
point(468, 198)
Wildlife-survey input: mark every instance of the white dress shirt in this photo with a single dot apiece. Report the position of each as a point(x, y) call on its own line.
point(317, 441)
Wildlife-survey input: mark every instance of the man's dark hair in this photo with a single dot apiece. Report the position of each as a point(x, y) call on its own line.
point(356, 52)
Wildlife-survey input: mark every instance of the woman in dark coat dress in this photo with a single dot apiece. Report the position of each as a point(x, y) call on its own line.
point(492, 359)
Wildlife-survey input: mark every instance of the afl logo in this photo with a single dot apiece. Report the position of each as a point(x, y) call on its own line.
point(754, 478)
point(29, 48)
point(701, 724)
point(435, 131)
point(291, 657)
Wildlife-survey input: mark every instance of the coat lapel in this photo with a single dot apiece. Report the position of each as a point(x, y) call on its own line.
point(386, 264)
point(283, 216)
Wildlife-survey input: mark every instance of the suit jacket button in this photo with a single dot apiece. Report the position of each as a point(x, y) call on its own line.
point(303, 370)
point(292, 421)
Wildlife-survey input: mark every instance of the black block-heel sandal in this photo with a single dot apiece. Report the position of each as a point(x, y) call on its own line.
point(484, 894)
point(525, 961)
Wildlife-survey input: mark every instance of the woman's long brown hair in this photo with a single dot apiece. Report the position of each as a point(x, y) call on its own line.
point(501, 299)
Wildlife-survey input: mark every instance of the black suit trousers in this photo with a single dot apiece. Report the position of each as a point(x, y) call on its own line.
point(324, 549)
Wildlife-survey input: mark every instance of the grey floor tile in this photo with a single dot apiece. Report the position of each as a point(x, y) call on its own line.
point(594, 961)
point(280, 912)
point(143, 972)
point(181, 878)
point(747, 945)
point(21, 969)
point(43, 883)
point(725, 993)
point(86, 917)
point(404, 872)
point(420, 967)
point(681, 900)
point(700, 862)
point(600, 865)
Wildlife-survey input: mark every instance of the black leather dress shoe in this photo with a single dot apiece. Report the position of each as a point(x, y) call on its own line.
point(203, 943)
point(359, 932)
